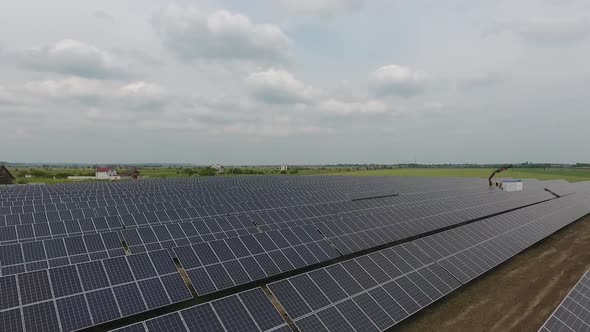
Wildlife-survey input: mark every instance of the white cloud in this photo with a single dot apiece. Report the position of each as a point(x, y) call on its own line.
point(220, 35)
point(322, 7)
point(277, 86)
point(397, 80)
point(137, 95)
point(73, 57)
point(547, 31)
point(335, 106)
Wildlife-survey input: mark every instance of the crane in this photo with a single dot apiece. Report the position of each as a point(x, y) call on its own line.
point(499, 170)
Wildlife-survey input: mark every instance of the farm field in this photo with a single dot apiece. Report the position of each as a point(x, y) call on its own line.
point(46, 175)
point(568, 174)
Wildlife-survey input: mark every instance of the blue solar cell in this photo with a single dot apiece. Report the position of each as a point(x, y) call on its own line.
point(220, 277)
point(252, 244)
point(281, 261)
point(40, 317)
point(11, 320)
point(65, 281)
point(162, 261)
point(201, 281)
point(118, 270)
point(290, 299)
point(205, 253)
point(73, 313)
point(55, 248)
point(94, 242)
point(111, 240)
point(252, 268)
point(356, 317)
point(237, 247)
point(310, 324)
point(309, 291)
point(93, 275)
point(233, 315)
point(11, 254)
point(142, 266)
point(129, 299)
point(333, 320)
point(187, 257)
point(33, 251)
point(267, 264)
point(72, 226)
point(201, 318)
point(237, 272)
point(34, 287)
point(41, 230)
point(262, 310)
point(7, 233)
point(9, 292)
point(222, 250)
point(153, 293)
point(344, 279)
point(103, 306)
point(176, 288)
point(75, 245)
point(265, 241)
point(57, 228)
point(170, 322)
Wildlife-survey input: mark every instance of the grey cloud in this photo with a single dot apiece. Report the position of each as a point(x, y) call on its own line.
point(397, 80)
point(322, 8)
point(136, 96)
point(72, 57)
point(220, 35)
point(547, 32)
point(279, 87)
point(103, 16)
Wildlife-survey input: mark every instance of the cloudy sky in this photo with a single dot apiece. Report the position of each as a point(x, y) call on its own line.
point(295, 81)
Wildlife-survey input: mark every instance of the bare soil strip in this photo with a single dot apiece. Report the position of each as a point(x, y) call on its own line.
point(520, 294)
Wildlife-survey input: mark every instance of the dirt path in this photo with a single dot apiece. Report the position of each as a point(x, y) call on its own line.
point(518, 295)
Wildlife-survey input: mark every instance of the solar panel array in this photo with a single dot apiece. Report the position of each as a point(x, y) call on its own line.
point(573, 313)
point(330, 253)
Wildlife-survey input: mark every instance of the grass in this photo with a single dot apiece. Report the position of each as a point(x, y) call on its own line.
point(568, 174)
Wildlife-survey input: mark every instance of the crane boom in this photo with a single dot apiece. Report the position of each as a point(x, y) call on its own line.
point(499, 170)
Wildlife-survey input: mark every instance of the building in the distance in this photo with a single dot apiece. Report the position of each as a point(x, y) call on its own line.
point(5, 176)
point(219, 168)
point(284, 167)
point(105, 173)
point(132, 173)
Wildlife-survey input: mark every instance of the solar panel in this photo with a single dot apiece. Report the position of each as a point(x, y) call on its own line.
point(73, 313)
point(573, 313)
point(103, 305)
point(154, 293)
point(40, 317)
point(229, 232)
point(129, 299)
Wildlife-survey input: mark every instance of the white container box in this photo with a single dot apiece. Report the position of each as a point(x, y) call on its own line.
point(512, 185)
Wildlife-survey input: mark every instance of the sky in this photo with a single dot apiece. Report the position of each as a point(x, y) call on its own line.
point(295, 81)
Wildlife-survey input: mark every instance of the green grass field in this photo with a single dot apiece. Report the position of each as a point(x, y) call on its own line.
point(46, 175)
point(568, 174)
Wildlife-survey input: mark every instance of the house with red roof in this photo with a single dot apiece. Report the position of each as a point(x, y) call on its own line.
point(105, 173)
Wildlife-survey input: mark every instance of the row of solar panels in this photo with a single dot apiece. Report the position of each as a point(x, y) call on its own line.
point(265, 220)
point(248, 203)
point(72, 297)
point(212, 266)
point(220, 194)
point(573, 313)
point(376, 291)
point(348, 235)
